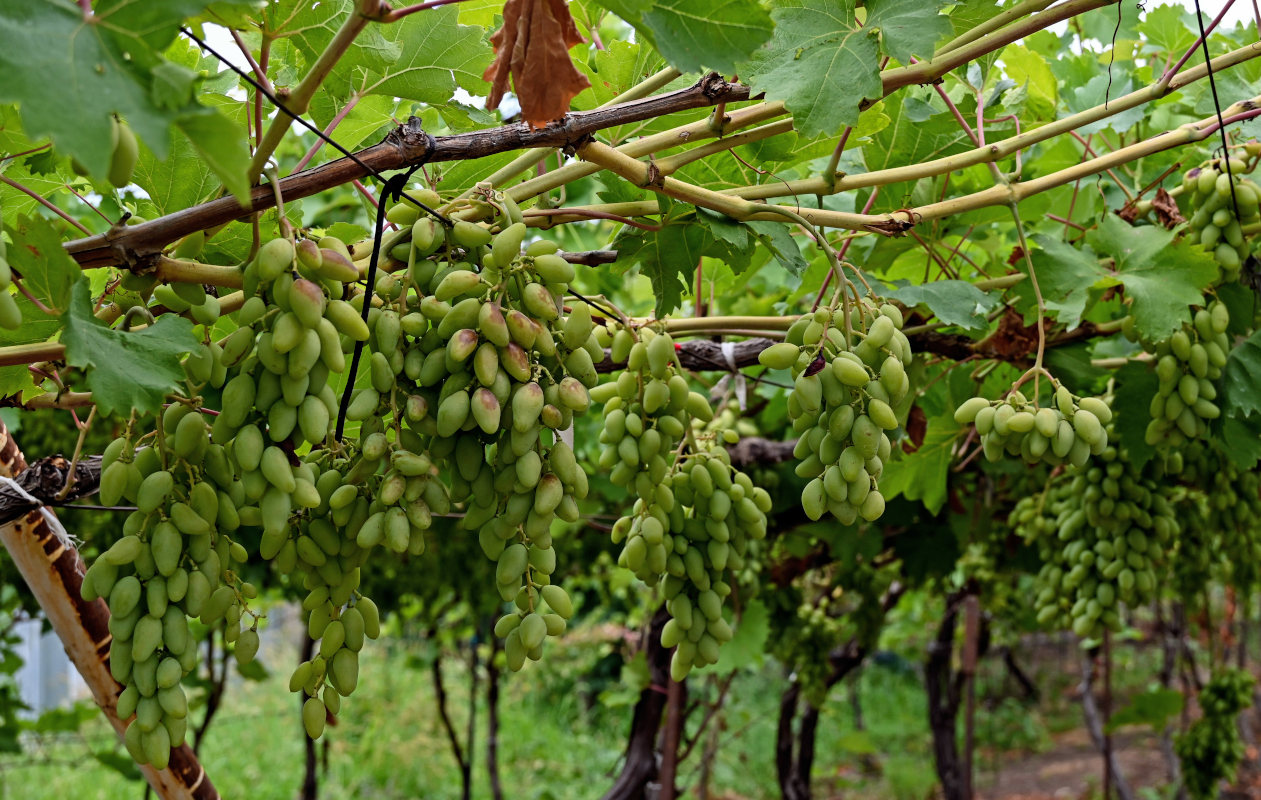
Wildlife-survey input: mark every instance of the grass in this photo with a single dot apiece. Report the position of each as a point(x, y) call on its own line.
point(561, 736)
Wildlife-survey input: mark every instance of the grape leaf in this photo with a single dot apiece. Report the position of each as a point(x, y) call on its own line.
point(176, 182)
point(922, 475)
point(37, 255)
point(613, 70)
point(220, 143)
point(907, 27)
point(438, 54)
point(313, 27)
point(125, 370)
point(1162, 277)
point(69, 75)
point(749, 641)
point(952, 302)
point(1066, 274)
point(1164, 29)
point(777, 238)
point(693, 35)
point(669, 256)
point(1154, 707)
point(906, 140)
point(1242, 381)
point(819, 62)
point(1135, 387)
point(1244, 436)
point(1030, 71)
point(36, 327)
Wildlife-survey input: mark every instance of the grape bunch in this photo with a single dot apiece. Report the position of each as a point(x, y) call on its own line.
point(477, 372)
point(1213, 223)
point(1229, 508)
point(842, 404)
point(1187, 364)
point(1068, 432)
point(647, 412)
point(715, 512)
point(695, 515)
point(176, 559)
point(1102, 531)
point(821, 610)
point(1211, 749)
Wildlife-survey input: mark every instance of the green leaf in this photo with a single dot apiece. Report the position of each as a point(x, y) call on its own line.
point(1242, 381)
point(47, 270)
point(907, 27)
point(910, 140)
point(1162, 278)
point(669, 256)
point(1030, 70)
point(614, 70)
point(952, 302)
point(125, 370)
point(1066, 274)
point(1244, 436)
point(694, 35)
point(1164, 28)
point(69, 76)
point(777, 237)
point(819, 62)
point(749, 642)
point(922, 475)
point(221, 145)
point(438, 55)
point(313, 27)
point(176, 182)
point(1135, 387)
point(1095, 93)
point(1154, 707)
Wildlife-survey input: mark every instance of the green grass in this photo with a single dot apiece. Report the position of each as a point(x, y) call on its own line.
point(561, 736)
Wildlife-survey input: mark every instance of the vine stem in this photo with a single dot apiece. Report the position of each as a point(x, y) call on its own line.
point(37, 197)
point(1037, 368)
point(328, 131)
point(299, 99)
point(529, 158)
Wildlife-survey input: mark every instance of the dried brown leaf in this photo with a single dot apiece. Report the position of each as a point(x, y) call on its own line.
point(1166, 208)
point(532, 48)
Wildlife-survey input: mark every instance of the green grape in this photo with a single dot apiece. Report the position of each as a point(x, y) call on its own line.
point(1211, 749)
point(1103, 530)
point(1068, 431)
point(1187, 366)
point(842, 405)
point(1217, 214)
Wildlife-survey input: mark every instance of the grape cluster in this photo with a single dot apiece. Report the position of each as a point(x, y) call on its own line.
point(1213, 223)
point(1211, 749)
point(476, 375)
point(1187, 364)
point(715, 512)
point(1228, 509)
point(177, 559)
point(842, 405)
point(821, 610)
point(1068, 432)
point(647, 412)
point(1102, 531)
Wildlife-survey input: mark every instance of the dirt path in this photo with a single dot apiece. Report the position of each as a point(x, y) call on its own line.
point(1071, 768)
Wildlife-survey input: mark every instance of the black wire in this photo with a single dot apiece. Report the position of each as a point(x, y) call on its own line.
point(594, 305)
point(245, 76)
point(393, 187)
point(1217, 106)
